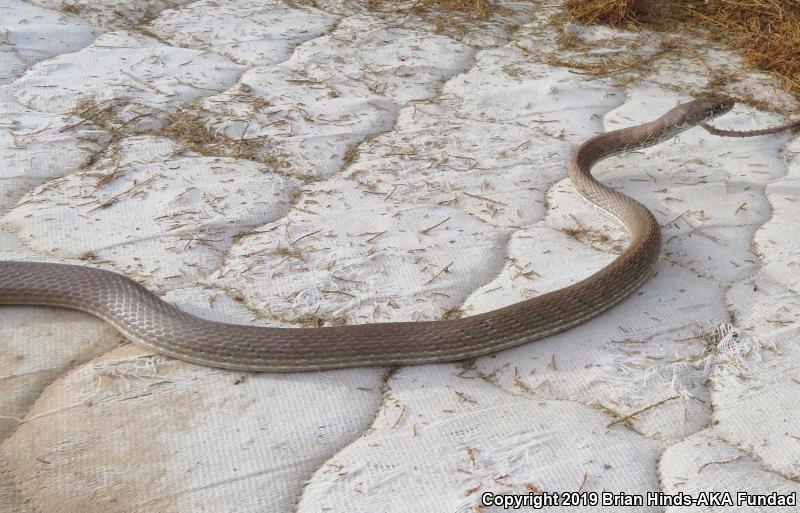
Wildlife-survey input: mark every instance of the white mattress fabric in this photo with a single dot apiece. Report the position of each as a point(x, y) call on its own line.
point(282, 164)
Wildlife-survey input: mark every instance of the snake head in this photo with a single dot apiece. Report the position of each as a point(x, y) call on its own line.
point(707, 107)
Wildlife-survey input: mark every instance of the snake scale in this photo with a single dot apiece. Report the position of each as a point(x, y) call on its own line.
point(145, 319)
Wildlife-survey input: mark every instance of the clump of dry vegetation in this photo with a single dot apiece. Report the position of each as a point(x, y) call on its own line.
point(451, 17)
point(189, 129)
point(765, 32)
point(615, 12)
point(187, 126)
point(471, 8)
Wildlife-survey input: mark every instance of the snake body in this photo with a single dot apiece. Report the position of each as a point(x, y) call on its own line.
point(145, 319)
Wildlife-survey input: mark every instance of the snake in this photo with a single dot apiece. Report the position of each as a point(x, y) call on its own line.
point(145, 319)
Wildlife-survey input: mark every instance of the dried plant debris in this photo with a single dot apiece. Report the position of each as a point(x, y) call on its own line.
point(187, 126)
point(765, 32)
point(469, 8)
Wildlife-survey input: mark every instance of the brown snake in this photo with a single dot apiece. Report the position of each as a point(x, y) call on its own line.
point(147, 320)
